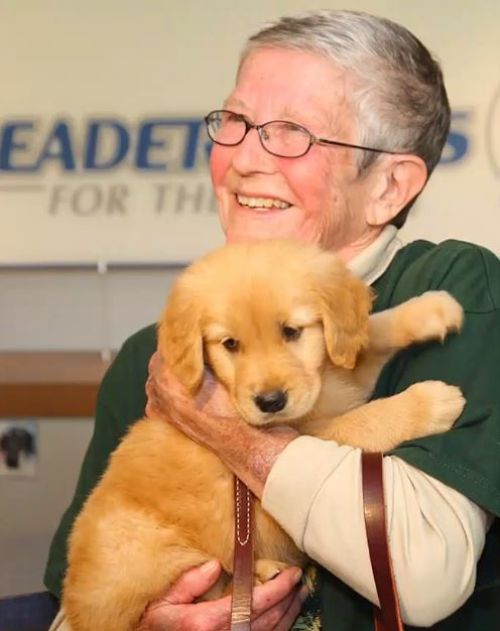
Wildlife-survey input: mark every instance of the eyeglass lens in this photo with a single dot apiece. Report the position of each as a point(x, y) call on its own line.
point(278, 137)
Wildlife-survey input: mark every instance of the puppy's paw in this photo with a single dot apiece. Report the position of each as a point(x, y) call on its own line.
point(438, 406)
point(430, 316)
point(266, 569)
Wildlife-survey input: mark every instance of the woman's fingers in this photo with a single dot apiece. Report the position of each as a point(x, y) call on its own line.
point(194, 583)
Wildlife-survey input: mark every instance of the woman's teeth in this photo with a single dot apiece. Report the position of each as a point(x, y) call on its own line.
point(261, 202)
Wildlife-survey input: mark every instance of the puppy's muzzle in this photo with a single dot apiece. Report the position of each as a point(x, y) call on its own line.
point(272, 401)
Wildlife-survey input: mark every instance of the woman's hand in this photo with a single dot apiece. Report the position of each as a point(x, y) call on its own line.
point(211, 420)
point(168, 399)
point(276, 604)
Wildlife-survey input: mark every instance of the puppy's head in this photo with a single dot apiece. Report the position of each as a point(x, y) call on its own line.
point(266, 317)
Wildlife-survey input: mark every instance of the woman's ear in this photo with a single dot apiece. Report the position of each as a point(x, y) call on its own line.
point(345, 303)
point(397, 181)
point(179, 335)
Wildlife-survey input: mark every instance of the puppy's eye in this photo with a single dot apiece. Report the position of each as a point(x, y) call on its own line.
point(291, 333)
point(230, 344)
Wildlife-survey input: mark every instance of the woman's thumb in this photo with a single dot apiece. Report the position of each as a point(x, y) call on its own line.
point(194, 583)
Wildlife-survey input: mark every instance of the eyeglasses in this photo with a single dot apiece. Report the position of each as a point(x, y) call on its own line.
point(280, 138)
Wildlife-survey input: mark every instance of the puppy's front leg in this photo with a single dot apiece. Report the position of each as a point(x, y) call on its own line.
point(429, 407)
point(430, 316)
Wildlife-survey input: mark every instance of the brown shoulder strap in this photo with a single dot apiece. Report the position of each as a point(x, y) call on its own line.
point(241, 607)
point(388, 617)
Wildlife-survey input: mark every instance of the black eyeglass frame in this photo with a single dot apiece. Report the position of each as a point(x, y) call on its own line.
point(313, 140)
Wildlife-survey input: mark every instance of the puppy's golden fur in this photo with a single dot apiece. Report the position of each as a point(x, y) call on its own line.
point(270, 317)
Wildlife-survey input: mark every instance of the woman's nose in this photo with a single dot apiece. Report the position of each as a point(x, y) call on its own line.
point(251, 157)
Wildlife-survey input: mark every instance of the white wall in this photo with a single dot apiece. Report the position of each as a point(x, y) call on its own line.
point(78, 310)
point(30, 508)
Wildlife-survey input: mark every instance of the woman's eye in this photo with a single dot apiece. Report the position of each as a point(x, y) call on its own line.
point(232, 117)
point(230, 344)
point(291, 333)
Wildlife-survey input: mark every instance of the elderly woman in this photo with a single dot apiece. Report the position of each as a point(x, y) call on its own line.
point(336, 122)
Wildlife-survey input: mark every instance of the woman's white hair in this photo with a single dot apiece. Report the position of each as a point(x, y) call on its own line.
point(400, 100)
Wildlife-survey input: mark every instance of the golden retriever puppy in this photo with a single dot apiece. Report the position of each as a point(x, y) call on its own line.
point(287, 330)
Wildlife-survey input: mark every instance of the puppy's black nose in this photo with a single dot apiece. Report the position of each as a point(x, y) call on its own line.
point(272, 401)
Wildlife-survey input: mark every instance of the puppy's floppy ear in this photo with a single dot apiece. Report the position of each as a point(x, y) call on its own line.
point(179, 334)
point(345, 303)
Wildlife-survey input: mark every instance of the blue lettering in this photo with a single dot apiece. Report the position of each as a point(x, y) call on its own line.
point(191, 153)
point(10, 144)
point(95, 133)
point(163, 144)
point(58, 147)
point(146, 143)
point(457, 143)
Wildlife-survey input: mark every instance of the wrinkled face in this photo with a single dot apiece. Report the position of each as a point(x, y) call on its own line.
point(316, 198)
point(269, 359)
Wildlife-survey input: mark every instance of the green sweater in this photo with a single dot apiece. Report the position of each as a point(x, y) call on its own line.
point(466, 458)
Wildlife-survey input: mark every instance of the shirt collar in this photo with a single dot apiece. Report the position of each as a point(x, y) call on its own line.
point(371, 263)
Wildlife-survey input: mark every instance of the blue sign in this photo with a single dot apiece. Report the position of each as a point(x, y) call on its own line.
point(105, 145)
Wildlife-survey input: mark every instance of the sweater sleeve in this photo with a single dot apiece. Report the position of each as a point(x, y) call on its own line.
point(436, 535)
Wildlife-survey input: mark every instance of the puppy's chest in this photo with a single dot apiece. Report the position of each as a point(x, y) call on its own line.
point(270, 540)
point(340, 392)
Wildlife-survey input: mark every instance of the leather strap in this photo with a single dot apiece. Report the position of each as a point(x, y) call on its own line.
point(388, 617)
point(241, 606)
